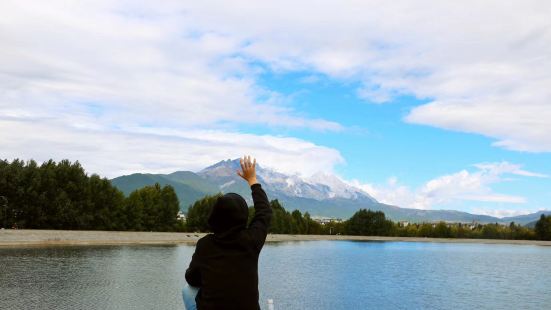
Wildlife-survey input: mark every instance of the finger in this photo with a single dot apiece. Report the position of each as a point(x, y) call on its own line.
point(239, 173)
point(243, 168)
point(254, 163)
point(247, 162)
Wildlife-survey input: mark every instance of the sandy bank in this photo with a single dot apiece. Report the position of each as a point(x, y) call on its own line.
point(18, 238)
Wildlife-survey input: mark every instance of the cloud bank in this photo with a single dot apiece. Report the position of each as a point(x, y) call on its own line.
point(473, 186)
point(126, 87)
point(482, 66)
point(117, 152)
point(129, 86)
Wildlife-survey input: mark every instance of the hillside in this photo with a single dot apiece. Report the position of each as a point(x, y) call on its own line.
point(321, 195)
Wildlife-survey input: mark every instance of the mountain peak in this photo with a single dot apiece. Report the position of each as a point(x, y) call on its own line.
point(319, 186)
point(224, 168)
point(221, 169)
point(222, 163)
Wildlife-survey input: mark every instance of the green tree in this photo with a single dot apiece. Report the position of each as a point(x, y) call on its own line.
point(105, 210)
point(441, 230)
point(134, 212)
point(543, 228)
point(312, 227)
point(281, 219)
point(62, 196)
point(297, 223)
point(153, 208)
point(168, 214)
point(198, 213)
point(369, 223)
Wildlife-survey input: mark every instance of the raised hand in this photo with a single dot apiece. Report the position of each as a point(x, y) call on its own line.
point(248, 171)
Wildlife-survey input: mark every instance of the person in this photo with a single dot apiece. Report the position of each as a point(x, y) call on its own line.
point(223, 272)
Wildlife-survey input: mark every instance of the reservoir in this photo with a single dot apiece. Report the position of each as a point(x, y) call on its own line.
point(296, 275)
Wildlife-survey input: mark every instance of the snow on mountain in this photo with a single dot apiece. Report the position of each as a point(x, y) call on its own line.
point(338, 187)
point(319, 186)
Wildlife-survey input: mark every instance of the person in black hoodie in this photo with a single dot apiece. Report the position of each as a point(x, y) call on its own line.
point(224, 266)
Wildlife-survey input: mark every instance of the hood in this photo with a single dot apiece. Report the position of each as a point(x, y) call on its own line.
point(230, 212)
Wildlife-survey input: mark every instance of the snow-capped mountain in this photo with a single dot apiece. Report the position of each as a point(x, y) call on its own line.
point(319, 186)
point(321, 194)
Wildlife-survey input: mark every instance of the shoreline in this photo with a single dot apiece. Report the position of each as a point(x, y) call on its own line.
point(39, 238)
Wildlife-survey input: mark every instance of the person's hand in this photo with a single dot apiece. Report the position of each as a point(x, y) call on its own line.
point(248, 170)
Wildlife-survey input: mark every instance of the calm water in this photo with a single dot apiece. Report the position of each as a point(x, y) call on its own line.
point(298, 275)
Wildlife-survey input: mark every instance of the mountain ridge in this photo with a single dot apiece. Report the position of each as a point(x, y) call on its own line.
point(321, 195)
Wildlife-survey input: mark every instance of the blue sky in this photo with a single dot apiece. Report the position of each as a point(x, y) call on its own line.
point(378, 144)
point(433, 105)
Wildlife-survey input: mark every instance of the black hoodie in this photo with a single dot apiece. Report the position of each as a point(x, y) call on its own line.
point(225, 264)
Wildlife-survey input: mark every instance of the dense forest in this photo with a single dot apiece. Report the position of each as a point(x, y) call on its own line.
point(62, 196)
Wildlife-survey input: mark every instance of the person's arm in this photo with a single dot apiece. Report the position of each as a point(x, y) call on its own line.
point(260, 223)
point(258, 228)
point(193, 273)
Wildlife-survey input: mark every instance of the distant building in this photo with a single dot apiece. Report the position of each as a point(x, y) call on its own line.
point(327, 220)
point(181, 216)
point(403, 223)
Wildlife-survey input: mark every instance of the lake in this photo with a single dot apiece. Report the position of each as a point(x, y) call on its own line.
point(296, 275)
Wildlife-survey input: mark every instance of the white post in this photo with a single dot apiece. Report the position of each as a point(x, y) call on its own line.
point(270, 304)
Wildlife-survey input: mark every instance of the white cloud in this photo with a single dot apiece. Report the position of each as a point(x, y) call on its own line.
point(127, 87)
point(78, 79)
point(483, 66)
point(503, 213)
point(505, 167)
point(116, 152)
point(391, 193)
point(135, 64)
point(444, 190)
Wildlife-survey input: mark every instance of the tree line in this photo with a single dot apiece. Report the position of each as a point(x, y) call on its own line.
point(283, 221)
point(62, 196)
point(373, 223)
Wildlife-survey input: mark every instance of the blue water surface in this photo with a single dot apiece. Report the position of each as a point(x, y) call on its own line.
point(296, 275)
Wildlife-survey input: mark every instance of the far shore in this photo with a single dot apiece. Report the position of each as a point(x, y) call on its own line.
point(27, 237)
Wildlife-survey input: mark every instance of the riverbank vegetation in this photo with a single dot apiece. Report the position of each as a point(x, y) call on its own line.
point(62, 196)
